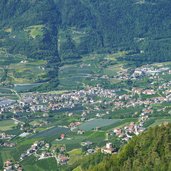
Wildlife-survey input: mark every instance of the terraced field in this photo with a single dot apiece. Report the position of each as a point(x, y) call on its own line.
point(26, 71)
point(17, 69)
point(91, 70)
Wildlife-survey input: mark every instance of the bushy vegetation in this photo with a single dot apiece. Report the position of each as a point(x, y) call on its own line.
point(149, 151)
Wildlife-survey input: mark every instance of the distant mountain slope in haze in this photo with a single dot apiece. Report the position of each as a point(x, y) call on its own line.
point(62, 30)
point(131, 24)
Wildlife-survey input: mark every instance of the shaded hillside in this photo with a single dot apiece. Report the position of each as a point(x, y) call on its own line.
point(142, 27)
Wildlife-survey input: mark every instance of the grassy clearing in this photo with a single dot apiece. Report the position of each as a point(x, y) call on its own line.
point(114, 56)
point(8, 30)
point(75, 152)
point(75, 155)
point(76, 34)
point(34, 31)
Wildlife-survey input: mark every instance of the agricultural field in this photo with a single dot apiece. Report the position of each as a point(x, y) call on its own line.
point(76, 75)
point(91, 70)
point(51, 133)
point(75, 155)
point(9, 93)
point(119, 124)
point(73, 141)
point(7, 125)
point(40, 165)
point(96, 96)
point(26, 72)
point(17, 69)
point(14, 153)
point(97, 123)
point(25, 87)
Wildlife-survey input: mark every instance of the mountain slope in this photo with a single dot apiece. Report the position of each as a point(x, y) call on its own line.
point(29, 28)
point(63, 31)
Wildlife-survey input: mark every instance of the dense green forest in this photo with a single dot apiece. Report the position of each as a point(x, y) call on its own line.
point(147, 152)
point(61, 31)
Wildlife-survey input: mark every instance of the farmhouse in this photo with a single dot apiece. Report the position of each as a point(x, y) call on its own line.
point(108, 149)
point(137, 90)
point(149, 92)
point(62, 159)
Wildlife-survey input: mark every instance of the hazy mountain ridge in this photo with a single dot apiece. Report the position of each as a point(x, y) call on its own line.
point(62, 30)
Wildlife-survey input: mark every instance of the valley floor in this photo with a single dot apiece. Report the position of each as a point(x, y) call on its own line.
point(61, 127)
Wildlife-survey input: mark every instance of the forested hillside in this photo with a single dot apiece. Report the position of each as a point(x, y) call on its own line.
point(142, 27)
point(62, 31)
point(149, 151)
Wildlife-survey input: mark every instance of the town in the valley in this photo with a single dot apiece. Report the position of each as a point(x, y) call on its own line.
point(66, 125)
